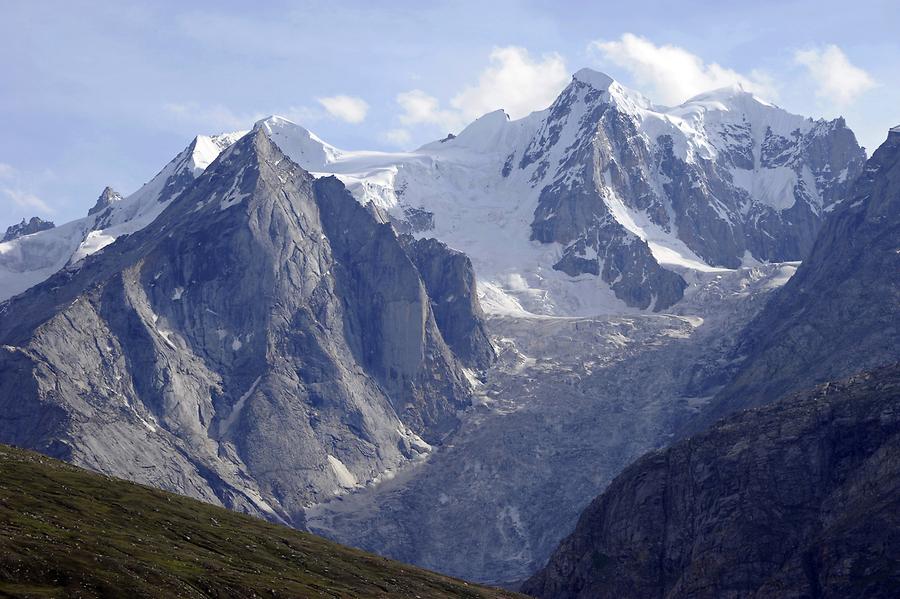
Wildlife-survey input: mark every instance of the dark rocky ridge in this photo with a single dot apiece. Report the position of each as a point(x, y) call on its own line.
point(800, 498)
point(262, 344)
point(33, 225)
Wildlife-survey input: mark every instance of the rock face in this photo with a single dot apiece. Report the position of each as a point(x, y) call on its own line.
point(34, 225)
point(840, 313)
point(450, 282)
point(264, 343)
point(800, 498)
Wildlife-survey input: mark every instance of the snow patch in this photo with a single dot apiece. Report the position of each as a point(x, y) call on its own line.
point(226, 425)
point(344, 476)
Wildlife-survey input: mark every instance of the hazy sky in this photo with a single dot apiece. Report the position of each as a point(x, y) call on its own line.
point(105, 93)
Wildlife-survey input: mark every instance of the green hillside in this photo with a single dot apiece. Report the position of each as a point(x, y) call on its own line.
point(67, 532)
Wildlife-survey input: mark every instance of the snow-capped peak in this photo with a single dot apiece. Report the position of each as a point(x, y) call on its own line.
point(26, 261)
point(726, 98)
point(492, 132)
point(596, 79)
point(206, 148)
point(302, 145)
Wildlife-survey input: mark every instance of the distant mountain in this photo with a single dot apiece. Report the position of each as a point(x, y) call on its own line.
point(264, 343)
point(27, 261)
point(800, 498)
point(600, 203)
point(65, 532)
point(603, 184)
point(840, 313)
point(33, 225)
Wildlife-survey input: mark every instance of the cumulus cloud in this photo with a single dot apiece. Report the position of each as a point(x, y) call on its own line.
point(837, 79)
point(420, 108)
point(673, 74)
point(346, 108)
point(513, 81)
point(26, 200)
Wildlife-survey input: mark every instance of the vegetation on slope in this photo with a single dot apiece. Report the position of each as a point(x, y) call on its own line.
point(66, 532)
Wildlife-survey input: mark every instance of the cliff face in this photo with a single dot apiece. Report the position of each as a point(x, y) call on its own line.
point(800, 498)
point(263, 344)
point(450, 280)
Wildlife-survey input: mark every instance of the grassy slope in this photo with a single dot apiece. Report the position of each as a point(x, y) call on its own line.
point(66, 532)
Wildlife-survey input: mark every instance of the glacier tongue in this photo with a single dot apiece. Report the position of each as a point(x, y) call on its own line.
point(568, 404)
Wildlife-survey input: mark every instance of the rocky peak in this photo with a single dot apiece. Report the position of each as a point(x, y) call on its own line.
point(107, 198)
point(264, 343)
point(33, 225)
point(304, 147)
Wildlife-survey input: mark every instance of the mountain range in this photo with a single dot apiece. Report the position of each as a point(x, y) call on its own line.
point(445, 355)
point(600, 202)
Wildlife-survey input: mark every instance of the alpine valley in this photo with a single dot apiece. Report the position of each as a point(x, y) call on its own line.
point(445, 356)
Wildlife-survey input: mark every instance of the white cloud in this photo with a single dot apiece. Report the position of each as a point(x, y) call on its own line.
point(27, 200)
point(514, 81)
point(419, 108)
point(346, 108)
point(837, 79)
point(398, 137)
point(7, 171)
point(674, 74)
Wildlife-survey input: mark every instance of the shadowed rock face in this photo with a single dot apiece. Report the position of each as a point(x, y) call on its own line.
point(800, 498)
point(263, 344)
point(450, 281)
point(34, 225)
point(840, 313)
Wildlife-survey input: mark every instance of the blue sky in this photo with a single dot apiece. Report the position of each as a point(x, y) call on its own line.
point(105, 93)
